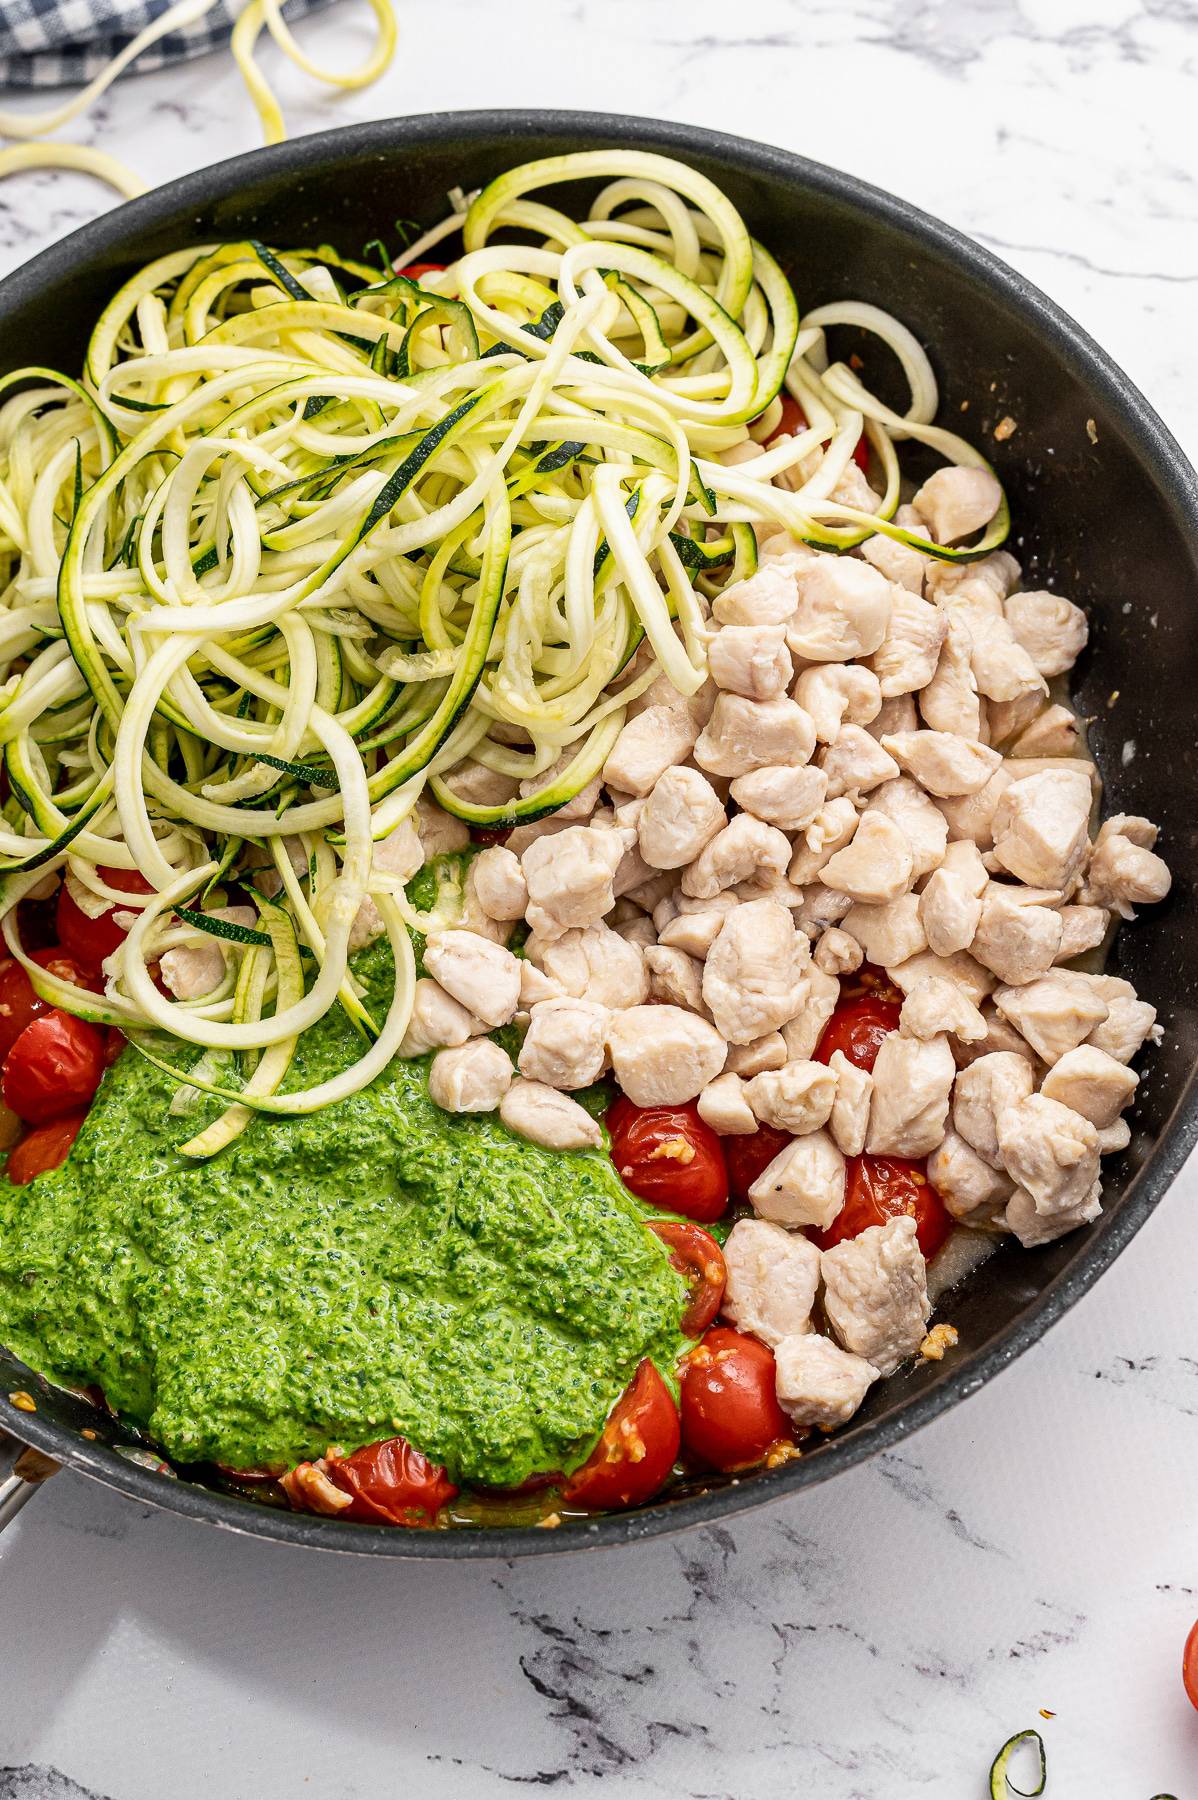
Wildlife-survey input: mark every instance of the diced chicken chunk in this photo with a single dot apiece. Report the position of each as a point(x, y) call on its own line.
point(912, 1083)
point(477, 973)
point(818, 995)
point(843, 609)
point(192, 970)
point(986, 1088)
point(440, 833)
point(876, 866)
point(837, 953)
point(534, 986)
point(1041, 828)
point(675, 977)
point(663, 1056)
point(649, 745)
point(817, 1383)
point(876, 1293)
point(906, 659)
point(972, 1191)
point(950, 905)
point(766, 1052)
point(1001, 667)
point(723, 1106)
point(753, 979)
point(1055, 1013)
point(498, 881)
point(1053, 732)
point(743, 850)
point(935, 1005)
point(950, 700)
point(887, 934)
point(742, 735)
point(595, 963)
point(544, 1116)
point(787, 798)
point(438, 1021)
point(1082, 928)
point(804, 1185)
point(849, 1119)
point(855, 764)
point(941, 763)
point(1033, 1227)
point(1092, 1083)
point(569, 877)
point(472, 1078)
point(956, 502)
point(831, 828)
point(751, 660)
point(1051, 629)
point(680, 816)
point(766, 598)
point(797, 1097)
point(1052, 1152)
point(1017, 936)
point(1123, 875)
point(565, 1045)
point(919, 819)
point(1128, 1025)
point(836, 694)
point(899, 562)
point(695, 931)
point(773, 1276)
point(971, 817)
point(999, 1036)
point(960, 968)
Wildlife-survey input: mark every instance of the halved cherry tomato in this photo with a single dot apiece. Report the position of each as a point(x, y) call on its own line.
point(794, 420)
point(19, 1004)
point(54, 1067)
point(878, 1188)
point(730, 1411)
point(90, 940)
point(695, 1254)
point(747, 1154)
point(415, 270)
point(857, 1028)
point(481, 835)
point(633, 1458)
point(391, 1484)
point(1189, 1666)
point(670, 1157)
point(44, 1148)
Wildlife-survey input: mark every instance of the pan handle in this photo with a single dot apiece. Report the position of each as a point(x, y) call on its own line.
point(22, 1472)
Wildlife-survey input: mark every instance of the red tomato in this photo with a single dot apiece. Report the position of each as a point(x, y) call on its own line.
point(1189, 1666)
point(44, 1148)
point(747, 1154)
point(54, 1067)
point(90, 940)
point(19, 1004)
point(857, 1028)
point(415, 270)
point(391, 1484)
point(878, 1188)
point(633, 1458)
point(670, 1157)
point(730, 1411)
point(695, 1254)
point(481, 835)
point(794, 420)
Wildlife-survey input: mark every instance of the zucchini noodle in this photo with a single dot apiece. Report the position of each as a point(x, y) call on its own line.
point(304, 543)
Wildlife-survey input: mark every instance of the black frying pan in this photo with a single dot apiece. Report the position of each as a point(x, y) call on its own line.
point(1105, 508)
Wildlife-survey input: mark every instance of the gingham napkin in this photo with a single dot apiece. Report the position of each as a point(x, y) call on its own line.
point(56, 43)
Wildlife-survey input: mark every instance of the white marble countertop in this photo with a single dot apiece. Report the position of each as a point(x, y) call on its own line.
point(878, 1638)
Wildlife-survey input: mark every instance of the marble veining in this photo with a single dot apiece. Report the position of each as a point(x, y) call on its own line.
point(876, 1639)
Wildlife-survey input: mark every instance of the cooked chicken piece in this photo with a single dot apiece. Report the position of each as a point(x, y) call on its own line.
point(1041, 828)
point(818, 995)
point(773, 1277)
point(744, 849)
point(1022, 768)
point(973, 1192)
point(723, 1106)
point(440, 833)
point(912, 1084)
point(1123, 875)
point(852, 489)
point(477, 973)
point(1008, 719)
point(897, 561)
point(906, 659)
point(950, 700)
point(680, 816)
point(796, 1098)
point(817, 1383)
point(695, 932)
point(1128, 1025)
point(831, 828)
point(565, 1044)
point(837, 694)
point(875, 866)
point(950, 905)
point(959, 968)
point(942, 764)
point(536, 986)
point(1051, 1151)
point(191, 971)
point(521, 836)
point(1033, 1228)
point(576, 810)
point(676, 977)
point(663, 1056)
point(983, 1090)
point(972, 815)
point(780, 549)
point(767, 884)
point(856, 763)
point(1051, 629)
point(649, 745)
point(1001, 666)
point(1017, 936)
point(476, 783)
point(742, 735)
point(935, 1005)
point(1130, 826)
point(804, 1185)
point(1092, 1083)
point(918, 818)
point(662, 692)
point(766, 1052)
point(401, 853)
point(843, 610)
point(437, 1020)
point(820, 908)
point(999, 1036)
point(638, 929)
point(1054, 732)
point(849, 1118)
point(956, 502)
point(1113, 1137)
point(787, 798)
point(767, 598)
point(544, 1116)
point(887, 934)
point(837, 953)
point(876, 1293)
point(746, 451)
point(996, 575)
point(309, 1489)
point(498, 882)
point(753, 978)
point(632, 871)
point(1082, 928)
point(751, 660)
point(1055, 1013)
point(570, 878)
point(473, 1078)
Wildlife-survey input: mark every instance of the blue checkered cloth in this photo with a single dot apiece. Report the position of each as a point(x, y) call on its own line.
point(60, 43)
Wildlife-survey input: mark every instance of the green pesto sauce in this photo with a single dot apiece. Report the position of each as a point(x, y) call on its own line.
point(379, 1268)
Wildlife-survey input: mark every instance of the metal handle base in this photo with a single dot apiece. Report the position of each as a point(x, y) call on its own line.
point(22, 1472)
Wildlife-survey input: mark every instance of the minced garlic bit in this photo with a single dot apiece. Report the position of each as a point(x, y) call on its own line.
point(22, 1401)
point(938, 1340)
point(780, 1453)
point(673, 1150)
point(1091, 431)
point(550, 1522)
point(1045, 1714)
point(1112, 697)
point(1005, 428)
point(89, 1434)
